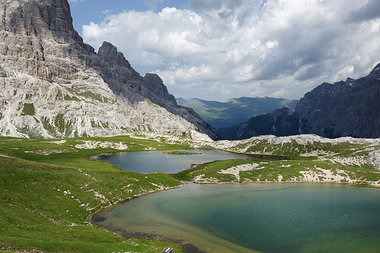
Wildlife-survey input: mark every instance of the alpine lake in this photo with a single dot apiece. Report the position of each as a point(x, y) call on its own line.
point(257, 217)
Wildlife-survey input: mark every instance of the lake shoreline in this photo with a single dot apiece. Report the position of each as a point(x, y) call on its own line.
point(192, 248)
point(153, 236)
point(186, 247)
point(90, 217)
point(125, 234)
point(375, 186)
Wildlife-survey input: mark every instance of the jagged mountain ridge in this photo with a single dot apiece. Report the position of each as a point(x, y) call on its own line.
point(236, 110)
point(54, 85)
point(346, 108)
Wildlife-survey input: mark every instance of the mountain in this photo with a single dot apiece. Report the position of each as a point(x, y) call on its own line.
point(346, 108)
point(52, 84)
point(236, 110)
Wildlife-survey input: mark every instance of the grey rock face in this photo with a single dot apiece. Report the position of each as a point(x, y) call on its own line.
point(156, 88)
point(346, 108)
point(37, 37)
point(54, 85)
point(110, 55)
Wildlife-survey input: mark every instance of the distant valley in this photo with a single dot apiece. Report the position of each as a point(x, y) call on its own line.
point(236, 110)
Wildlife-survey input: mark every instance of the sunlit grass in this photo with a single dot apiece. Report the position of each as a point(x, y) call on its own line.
point(48, 192)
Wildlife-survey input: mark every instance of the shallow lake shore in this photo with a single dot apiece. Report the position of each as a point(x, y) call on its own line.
point(134, 205)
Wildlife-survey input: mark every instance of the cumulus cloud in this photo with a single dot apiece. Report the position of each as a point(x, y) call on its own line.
point(231, 48)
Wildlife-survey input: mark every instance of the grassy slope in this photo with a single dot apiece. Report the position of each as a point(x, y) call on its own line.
point(47, 200)
point(48, 190)
point(289, 170)
point(270, 171)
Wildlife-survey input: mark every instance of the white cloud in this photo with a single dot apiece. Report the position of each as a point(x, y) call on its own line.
point(271, 44)
point(228, 48)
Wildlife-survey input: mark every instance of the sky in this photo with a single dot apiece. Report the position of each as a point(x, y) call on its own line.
point(220, 49)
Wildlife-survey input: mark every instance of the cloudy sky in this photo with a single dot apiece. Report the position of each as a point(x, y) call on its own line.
point(219, 49)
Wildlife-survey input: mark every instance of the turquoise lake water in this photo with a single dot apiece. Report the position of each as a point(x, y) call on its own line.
point(255, 217)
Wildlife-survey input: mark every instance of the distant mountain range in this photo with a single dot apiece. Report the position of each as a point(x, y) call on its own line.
point(236, 110)
point(345, 108)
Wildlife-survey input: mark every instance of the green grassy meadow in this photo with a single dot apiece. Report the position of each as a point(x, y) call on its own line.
point(49, 189)
point(345, 159)
point(270, 171)
point(48, 192)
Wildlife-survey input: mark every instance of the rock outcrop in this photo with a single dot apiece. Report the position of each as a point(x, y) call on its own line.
point(346, 108)
point(54, 85)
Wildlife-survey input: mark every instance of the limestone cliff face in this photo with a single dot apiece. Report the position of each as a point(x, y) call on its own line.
point(54, 85)
point(345, 108)
point(38, 38)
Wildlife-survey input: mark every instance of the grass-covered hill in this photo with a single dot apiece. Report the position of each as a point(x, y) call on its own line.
point(303, 158)
point(50, 189)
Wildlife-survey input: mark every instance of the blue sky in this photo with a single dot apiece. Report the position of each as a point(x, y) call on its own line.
point(86, 11)
point(220, 49)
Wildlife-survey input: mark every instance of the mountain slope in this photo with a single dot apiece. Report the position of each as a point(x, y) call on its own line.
point(345, 108)
point(54, 85)
point(236, 110)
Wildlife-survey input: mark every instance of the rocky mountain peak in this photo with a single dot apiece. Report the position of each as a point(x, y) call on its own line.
point(349, 108)
point(153, 78)
point(37, 37)
point(376, 71)
point(110, 54)
point(107, 51)
point(54, 85)
point(155, 84)
point(41, 18)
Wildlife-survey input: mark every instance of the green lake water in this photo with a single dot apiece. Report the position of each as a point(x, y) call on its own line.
point(255, 217)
